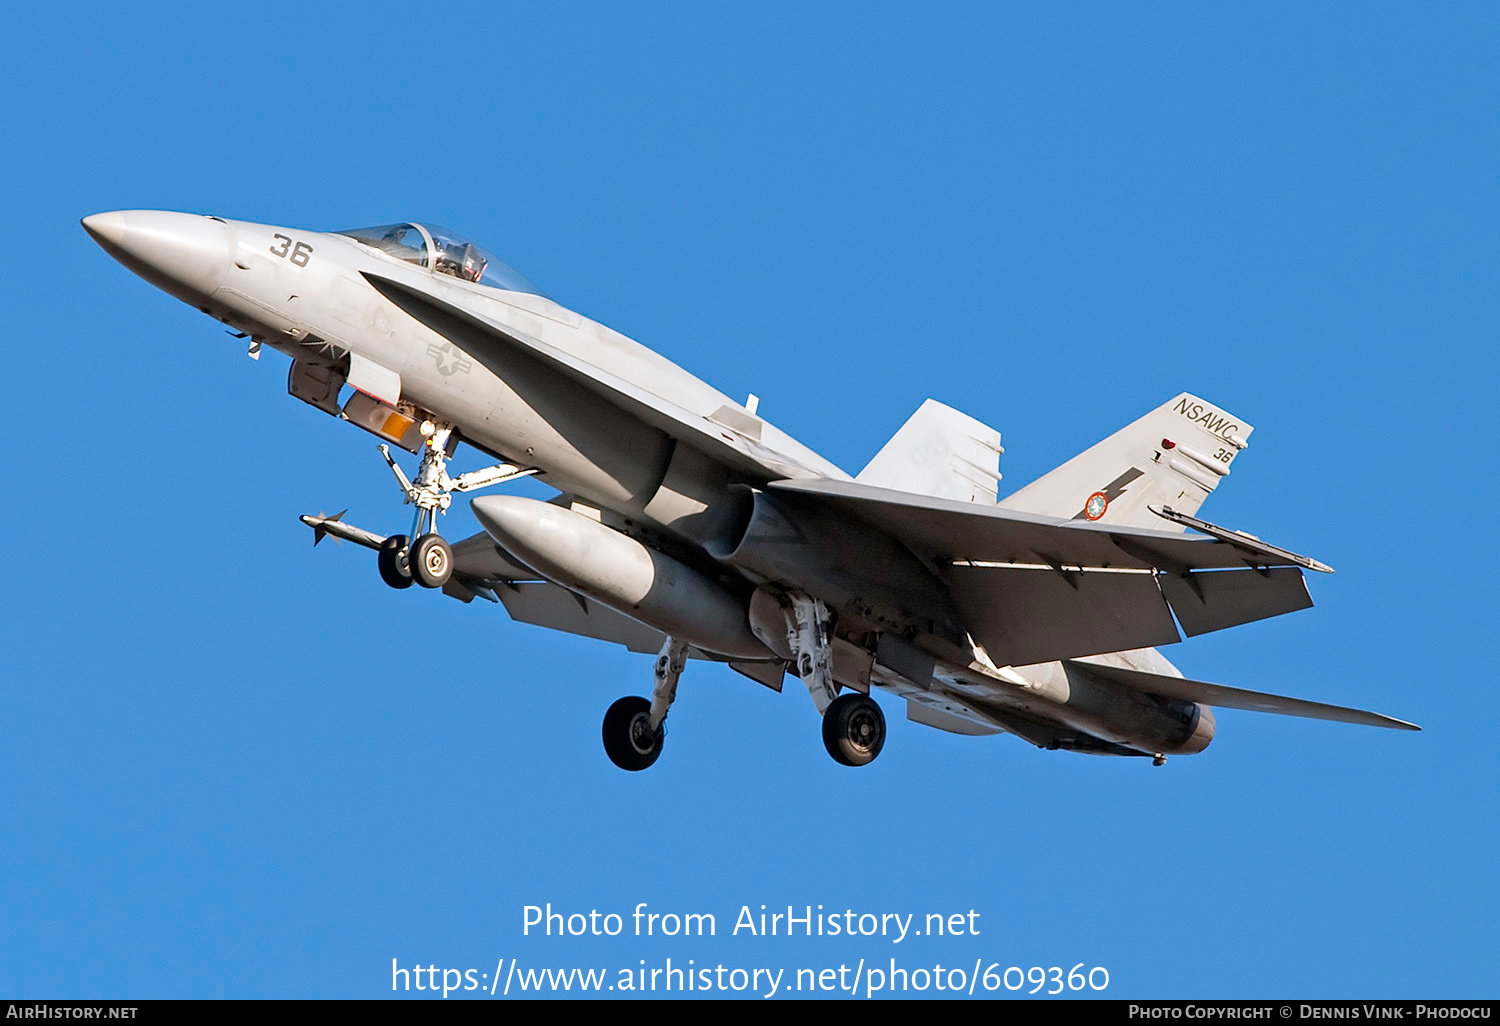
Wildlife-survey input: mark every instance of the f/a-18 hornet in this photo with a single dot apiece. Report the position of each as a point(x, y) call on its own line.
point(689, 527)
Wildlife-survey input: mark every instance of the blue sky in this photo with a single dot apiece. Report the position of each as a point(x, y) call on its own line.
point(239, 766)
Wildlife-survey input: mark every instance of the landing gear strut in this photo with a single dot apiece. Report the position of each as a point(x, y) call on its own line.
point(423, 557)
point(634, 727)
point(853, 725)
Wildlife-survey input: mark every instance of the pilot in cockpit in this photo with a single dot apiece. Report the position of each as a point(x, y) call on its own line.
point(462, 260)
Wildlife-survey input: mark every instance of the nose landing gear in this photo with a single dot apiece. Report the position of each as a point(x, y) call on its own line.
point(431, 561)
point(391, 560)
point(423, 557)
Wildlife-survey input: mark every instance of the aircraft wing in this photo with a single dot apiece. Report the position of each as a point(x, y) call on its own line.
point(727, 432)
point(1239, 698)
point(1033, 589)
point(478, 559)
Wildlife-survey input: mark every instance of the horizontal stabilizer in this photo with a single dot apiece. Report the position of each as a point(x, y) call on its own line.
point(1237, 698)
point(939, 451)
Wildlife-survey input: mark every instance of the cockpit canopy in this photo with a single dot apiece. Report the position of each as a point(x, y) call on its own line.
point(444, 251)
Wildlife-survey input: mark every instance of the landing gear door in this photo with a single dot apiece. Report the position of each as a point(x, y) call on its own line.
point(374, 380)
point(386, 421)
point(317, 384)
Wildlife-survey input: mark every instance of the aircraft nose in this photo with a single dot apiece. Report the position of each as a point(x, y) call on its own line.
point(184, 254)
point(108, 229)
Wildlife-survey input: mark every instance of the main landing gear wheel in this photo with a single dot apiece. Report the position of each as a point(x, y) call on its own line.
point(392, 562)
point(853, 729)
point(629, 741)
point(430, 561)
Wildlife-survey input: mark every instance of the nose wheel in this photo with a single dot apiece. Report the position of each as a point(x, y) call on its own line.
point(428, 560)
point(391, 560)
point(421, 557)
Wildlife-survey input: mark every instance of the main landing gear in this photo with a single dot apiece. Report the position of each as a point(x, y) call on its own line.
point(634, 728)
point(853, 729)
point(423, 557)
point(853, 725)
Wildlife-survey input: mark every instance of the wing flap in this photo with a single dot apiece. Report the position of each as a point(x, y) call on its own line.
point(1032, 589)
point(1026, 615)
point(1238, 698)
point(1213, 600)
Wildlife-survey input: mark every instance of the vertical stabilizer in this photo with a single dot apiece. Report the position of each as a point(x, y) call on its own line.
point(942, 453)
point(1175, 455)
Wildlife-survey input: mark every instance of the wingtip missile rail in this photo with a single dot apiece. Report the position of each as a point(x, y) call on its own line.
point(1241, 540)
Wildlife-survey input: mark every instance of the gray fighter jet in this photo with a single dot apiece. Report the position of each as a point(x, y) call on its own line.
point(689, 527)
